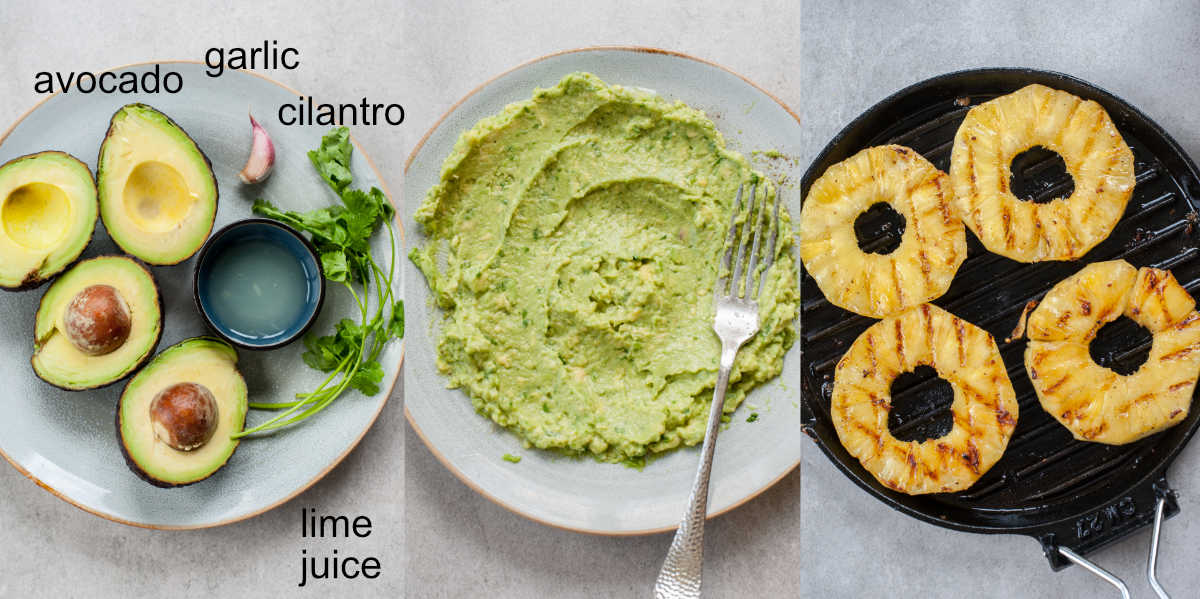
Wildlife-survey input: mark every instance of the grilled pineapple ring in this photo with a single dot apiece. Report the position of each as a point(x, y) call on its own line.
point(985, 407)
point(933, 245)
point(1093, 402)
point(1095, 155)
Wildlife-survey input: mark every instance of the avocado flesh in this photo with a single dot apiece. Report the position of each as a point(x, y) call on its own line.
point(158, 195)
point(202, 360)
point(47, 216)
point(58, 362)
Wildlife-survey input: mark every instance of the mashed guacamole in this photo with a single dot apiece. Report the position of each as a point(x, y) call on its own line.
point(573, 243)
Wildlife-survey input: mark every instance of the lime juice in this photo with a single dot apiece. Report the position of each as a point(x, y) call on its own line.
point(258, 289)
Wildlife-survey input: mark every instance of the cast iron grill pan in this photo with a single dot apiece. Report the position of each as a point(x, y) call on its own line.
point(1047, 485)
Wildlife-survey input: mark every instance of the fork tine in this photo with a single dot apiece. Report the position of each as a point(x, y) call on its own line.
point(751, 287)
point(735, 287)
point(769, 257)
point(723, 274)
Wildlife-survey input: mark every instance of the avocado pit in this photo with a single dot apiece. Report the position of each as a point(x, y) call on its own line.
point(184, 415)
point(97, 320)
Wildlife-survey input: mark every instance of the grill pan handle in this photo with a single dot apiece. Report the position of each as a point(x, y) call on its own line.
point(1164, 495)
point(1108, 523)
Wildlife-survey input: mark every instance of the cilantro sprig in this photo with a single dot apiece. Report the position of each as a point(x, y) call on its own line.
point(341, 234)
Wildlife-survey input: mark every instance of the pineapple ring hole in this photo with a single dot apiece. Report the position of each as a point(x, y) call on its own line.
point(874, 229)
point(921, 406)
point(1121, 346)
point(1037, 171)
point(156, 197)
point(36, 215)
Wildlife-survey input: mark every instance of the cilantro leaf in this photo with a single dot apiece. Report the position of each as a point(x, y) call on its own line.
point(341, 234)
point(396, 322)
point(367, 377)
point(333, 262)
point(321, 354)
point(332, 159)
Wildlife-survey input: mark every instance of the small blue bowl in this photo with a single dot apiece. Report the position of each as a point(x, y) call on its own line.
point(260, 229)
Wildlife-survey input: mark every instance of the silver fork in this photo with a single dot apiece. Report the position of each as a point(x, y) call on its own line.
point(736, 321)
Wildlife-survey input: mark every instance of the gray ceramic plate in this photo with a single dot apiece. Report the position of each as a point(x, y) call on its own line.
point(66, 441)
point(581, 494)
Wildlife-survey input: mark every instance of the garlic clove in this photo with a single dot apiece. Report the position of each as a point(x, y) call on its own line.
point(262, 155)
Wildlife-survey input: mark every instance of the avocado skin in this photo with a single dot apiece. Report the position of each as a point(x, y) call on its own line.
point(150, 479)
point(208, 163)
point(32, 280)
point(153, 348)
point(133, 466)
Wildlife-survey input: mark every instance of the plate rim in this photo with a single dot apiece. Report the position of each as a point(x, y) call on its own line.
point(408, 415)
point(340, 457)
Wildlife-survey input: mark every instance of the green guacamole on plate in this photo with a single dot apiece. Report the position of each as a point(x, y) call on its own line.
point(573, 244)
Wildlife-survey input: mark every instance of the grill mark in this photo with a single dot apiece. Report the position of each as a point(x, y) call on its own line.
point(1073, 243)
point(928, 324)
point(1191, 317)
point(871, 353)
point(1160, 290)
point(958, 335)
point(1107, 170)
point(1178, 386)
point(1006, 219)
point(1174, 413)
point(1179, 353)
point(1085, 307)
point(1101, 320)
point(1058, 136)
point(1062, 319)
point(866, 430)
point(896, 284)
point(1055, 386)
point(971, 457)
point(1091, 138)
point(1004, 418)
point(943, 205)
point(1095, 432)
point(973, 198)
point(1143, 398)
point(926, 268)
point(900, 342)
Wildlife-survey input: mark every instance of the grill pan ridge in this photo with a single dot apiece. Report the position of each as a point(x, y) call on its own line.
point(1047, 485)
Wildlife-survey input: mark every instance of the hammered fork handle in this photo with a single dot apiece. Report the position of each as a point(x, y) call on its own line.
point(681, 572)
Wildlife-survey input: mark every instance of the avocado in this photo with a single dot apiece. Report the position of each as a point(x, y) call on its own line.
point(47, 216)
point(96, 323)
point(158, 195)
point(176, 417)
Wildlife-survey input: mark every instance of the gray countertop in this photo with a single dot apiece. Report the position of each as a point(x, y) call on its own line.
point(853, 545)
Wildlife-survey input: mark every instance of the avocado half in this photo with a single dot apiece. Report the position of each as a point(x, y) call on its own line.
point(47, 217)
point(158, 195)
point(60, 361)
point(204, 361)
